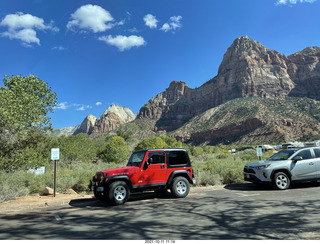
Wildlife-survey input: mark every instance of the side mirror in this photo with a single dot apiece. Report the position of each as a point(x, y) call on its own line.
point(297, 158)
point(150, 161)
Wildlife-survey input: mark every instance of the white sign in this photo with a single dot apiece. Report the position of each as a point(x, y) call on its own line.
point(38, 171)
point(259, 152)
point(55, 153)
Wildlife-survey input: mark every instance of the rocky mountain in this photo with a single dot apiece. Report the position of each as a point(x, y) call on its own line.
point(258, 96)
point(248, 69)
point(86, 126)
point(110, 120)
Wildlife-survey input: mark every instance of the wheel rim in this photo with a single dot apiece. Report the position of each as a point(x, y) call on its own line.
point(282, 181)
point(119, 193)
point(181, 187)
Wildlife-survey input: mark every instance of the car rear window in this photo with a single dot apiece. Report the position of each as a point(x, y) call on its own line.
point(177, 157)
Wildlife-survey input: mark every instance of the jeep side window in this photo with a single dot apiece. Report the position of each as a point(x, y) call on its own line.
point(177, 157)
point(157, 157)
point(136, 159)
point(305, 154)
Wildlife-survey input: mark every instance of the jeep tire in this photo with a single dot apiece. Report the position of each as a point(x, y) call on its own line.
point(119, 192)
point(180, 187)
point(281, 181)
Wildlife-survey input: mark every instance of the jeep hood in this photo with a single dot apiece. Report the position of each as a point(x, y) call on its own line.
point(120, 171)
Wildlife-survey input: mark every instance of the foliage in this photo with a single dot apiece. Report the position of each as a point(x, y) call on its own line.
point(171, 141)
point(116, 151)
point(152, 142)
point(126, 131)
point(76, 148)
point(25, 102)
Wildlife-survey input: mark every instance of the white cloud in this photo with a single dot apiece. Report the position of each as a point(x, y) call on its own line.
point(59, 48)
point(123, 42)
point(23, 27)
point(174, 23)
point(62, 106)
point(284, 2)
point(91, 17)
point(66, 105)
point(150, 21)
point(83, 107)
point(98, 103)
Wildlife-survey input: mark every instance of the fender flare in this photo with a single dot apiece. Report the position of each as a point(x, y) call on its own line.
point(124, 178)
point(183, 173)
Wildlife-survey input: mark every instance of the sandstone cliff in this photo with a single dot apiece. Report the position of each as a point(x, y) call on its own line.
point(111, 119)
point(247, 69)
point(86, 126)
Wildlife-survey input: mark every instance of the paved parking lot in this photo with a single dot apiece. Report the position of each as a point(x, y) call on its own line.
point(237, 212)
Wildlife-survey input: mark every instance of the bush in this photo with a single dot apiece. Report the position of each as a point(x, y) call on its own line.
point(116, 151)
point(151, 143)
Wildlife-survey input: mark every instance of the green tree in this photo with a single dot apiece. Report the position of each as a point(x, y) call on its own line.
point(77, 148)
point(151, 143)
point(171, 141)
point(25, 103)
point(126, 131)
point(116, 151)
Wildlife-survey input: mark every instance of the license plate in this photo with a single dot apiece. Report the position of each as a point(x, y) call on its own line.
point(248, 176)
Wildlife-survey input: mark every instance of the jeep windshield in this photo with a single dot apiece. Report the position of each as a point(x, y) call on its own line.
point(283, 155)
point(136, 159)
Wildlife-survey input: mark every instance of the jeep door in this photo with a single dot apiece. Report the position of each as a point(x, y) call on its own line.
point(156, 171)
point(304, 169)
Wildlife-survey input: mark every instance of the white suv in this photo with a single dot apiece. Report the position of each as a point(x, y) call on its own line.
point(295, 164)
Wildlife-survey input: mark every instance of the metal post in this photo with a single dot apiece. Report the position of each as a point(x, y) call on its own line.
point(54, 177)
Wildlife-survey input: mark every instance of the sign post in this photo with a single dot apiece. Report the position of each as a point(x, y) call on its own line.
point(259, 152)
point(55, 155)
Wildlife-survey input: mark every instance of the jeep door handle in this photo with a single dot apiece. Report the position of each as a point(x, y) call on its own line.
point(162, 166)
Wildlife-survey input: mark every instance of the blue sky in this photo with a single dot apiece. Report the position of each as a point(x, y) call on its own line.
point(98, 52)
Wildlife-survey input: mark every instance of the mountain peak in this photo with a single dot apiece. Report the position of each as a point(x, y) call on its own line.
point(123, 112)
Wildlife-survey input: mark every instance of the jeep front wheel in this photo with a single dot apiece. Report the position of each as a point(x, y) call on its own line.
point(119, 192)
point(180, 187)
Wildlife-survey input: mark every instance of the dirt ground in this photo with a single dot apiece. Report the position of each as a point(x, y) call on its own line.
point(38, 201)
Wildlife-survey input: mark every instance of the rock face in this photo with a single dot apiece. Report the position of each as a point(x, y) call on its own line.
point(111, 119)
point(248, 69)
point(87, 125)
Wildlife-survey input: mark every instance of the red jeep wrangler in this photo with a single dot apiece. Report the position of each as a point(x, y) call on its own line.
point(153, 169)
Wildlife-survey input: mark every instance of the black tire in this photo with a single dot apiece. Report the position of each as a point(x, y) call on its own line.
point(180, 187)
point(281, 181)
point(119, 192)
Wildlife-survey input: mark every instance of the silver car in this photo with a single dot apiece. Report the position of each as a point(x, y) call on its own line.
point(295, 164)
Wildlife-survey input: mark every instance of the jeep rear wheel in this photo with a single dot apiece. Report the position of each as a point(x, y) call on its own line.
point(180, 187)
point(119, 192)
point(281, 181)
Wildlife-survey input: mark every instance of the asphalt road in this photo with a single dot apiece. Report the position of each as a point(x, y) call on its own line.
point(237, 212)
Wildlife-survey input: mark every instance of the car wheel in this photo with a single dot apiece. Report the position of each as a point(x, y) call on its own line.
point(119, 192)
point(281, 181)
point(180, 187)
